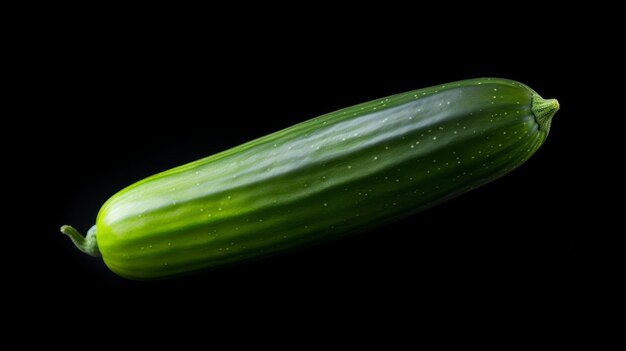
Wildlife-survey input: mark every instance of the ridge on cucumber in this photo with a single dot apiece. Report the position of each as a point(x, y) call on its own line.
point(331, 176)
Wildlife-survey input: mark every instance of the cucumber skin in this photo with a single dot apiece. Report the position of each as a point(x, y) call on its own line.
point(339, 173)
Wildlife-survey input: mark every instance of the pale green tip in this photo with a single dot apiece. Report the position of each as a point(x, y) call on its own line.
point(87, 244)
point(544, 110)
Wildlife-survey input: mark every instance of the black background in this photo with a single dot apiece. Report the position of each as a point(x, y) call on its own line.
point(119, 106)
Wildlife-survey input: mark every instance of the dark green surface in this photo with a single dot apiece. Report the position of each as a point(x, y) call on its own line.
point(324, 178)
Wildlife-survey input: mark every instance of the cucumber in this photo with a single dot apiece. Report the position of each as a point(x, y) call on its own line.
point(322, 179)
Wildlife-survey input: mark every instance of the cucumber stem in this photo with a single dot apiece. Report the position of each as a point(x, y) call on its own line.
point(544, 110)
point(87, 244)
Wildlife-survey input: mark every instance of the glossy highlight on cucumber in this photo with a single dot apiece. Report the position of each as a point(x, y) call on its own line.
point(320, 180)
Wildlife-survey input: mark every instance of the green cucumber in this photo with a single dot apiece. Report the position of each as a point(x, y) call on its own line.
point(336, 174)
